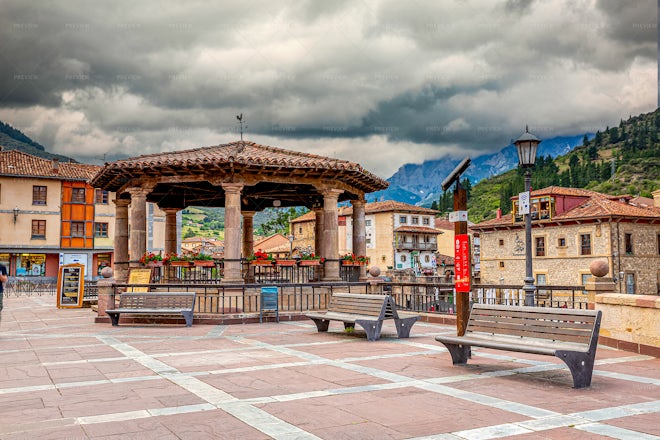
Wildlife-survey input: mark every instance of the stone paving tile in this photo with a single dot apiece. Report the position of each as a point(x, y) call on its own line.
point(63, 376)
point(552, 390)
point(646, 423)
point(292, 380)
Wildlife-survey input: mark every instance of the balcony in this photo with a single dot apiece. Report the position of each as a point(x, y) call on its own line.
point(410, 246)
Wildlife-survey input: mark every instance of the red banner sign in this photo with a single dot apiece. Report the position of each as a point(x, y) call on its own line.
point(462, 263)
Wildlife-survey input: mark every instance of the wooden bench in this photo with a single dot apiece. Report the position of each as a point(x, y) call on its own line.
point(368, 311)
point(569, 334)
point(155, 303)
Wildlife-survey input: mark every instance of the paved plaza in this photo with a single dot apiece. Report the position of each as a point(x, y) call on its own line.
point(64, 377)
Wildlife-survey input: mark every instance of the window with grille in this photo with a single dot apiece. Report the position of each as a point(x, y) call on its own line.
point(78, 195)
point(403, 219)
point(585, 244)
point(426, 221)
point(38, 228)
point(77, 229)
point(415, 220)
point(101, 230)
point(39, 194)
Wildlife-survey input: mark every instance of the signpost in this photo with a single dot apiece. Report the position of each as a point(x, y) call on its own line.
point(461, 246)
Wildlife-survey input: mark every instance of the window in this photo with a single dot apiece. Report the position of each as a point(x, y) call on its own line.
point(402, 219)
point(630, 283)
point(300, 230)
point(77, 229)
point(585, 244)
point(403, 258)
point(426, 221)
point(38, 195)
point(628, 243)
point(415, 220)
point(427, 259)
point(101, 197)
point(540, 246)
point(101, 230)
point(501, 242)
point(367, 222)
point(561, 242)
point(77, 195)
point(501, 264)
point(38, 228)
point(583, 280)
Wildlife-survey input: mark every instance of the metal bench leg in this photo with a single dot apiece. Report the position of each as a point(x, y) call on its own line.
point(189, 318)
point(321, 324)
point(581, 366)
point(459, 353)
point(114, 318)
point(404, 325)
point(372, 328)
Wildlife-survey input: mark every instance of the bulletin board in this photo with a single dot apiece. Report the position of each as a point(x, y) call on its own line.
point(70, 285)
point(139, 276)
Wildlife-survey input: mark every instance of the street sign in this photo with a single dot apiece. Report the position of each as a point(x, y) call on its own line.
point(523, 203)
point(458, 216)
point(462, 262)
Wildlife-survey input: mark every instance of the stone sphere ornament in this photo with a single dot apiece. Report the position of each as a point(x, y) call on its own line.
point(374, 271)
point(599, 268)
point(106, 272)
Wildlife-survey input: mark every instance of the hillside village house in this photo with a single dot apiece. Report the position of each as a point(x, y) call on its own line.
point(50, 215)
point(398, 235)
point(570, 229)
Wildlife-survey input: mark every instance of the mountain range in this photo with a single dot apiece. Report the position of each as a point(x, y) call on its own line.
point(419, 184)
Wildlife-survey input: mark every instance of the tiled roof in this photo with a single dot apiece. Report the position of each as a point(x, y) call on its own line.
point(240, 154)
point(17, 163)
point(418, 230)
point(595, 206)
point(389, 206)
point(308, 216)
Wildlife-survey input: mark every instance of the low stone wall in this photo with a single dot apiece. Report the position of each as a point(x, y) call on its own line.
point(630, 322)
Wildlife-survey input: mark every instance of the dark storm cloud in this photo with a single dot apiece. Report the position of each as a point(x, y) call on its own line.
point(323, 76)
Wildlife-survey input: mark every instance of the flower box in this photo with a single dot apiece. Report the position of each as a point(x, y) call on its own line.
point(154, 263)
point(310, 262)
point(261, 262)
point(285, 262)
point(350, 263)
point(204, 263)
point(181, 263)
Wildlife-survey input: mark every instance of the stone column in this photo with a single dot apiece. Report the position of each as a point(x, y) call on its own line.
point(598, 283)
point(137, 244)
point(120, 264)
point(360, 234)
point(232, 233)
point(318, 232)
point(331, 234)
point(106, 292)
point(248, 233)
point(170, 230)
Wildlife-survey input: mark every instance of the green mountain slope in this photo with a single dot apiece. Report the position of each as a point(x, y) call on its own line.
point(13, 139)
point(619, 160)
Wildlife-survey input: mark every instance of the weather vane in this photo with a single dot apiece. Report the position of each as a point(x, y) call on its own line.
point(240, 121)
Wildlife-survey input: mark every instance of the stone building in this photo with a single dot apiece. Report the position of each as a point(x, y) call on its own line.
point(398, 235)
point(570, 229)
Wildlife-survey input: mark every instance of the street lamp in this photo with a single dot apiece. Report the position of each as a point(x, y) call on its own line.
point(527, 144)
point(16, 211)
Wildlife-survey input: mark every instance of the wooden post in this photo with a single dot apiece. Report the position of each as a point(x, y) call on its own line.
point(460, 227)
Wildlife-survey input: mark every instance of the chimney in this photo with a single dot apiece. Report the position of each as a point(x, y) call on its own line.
point(56, 166)
point(499, 213)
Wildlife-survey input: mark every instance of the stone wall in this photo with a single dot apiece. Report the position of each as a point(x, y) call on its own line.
point(630, 322)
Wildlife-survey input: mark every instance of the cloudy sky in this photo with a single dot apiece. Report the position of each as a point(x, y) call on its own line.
point(380, 82)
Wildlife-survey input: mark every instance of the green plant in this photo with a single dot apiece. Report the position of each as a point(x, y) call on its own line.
point(150, 256)
point(202, 257)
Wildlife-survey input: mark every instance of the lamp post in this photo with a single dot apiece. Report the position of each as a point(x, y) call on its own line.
point(527, 144)
point(16, 211)
point(290, 237)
